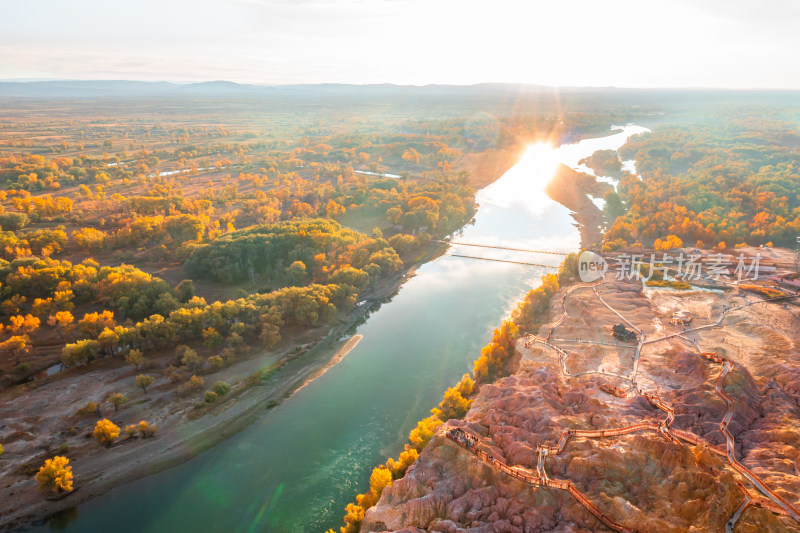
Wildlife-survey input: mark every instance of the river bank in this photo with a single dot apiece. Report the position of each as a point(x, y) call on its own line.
point(98, 470)
point(572, 190)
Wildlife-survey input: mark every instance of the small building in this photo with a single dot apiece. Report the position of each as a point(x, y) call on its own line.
point(614, 391)
point(622, 333)
point(681, 318)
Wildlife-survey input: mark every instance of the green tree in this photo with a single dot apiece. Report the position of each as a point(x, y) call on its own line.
point(216, 362)
point(13, 221)
point(221, 388)
point(116, 399)
point(143, 381)
point(184, 291)
point(136, 359)
point(614, 207)
point(296, 273)
point(79, 353)
point(212, 338)
point(189, 358)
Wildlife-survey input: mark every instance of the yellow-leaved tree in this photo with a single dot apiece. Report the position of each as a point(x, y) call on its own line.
point(106, 432)
point(55, 475)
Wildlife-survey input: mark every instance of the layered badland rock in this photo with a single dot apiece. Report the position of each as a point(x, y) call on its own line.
point(642, 481)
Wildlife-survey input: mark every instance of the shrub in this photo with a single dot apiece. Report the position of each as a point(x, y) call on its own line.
point(184, 291)
point(130, 432)
point(533, 309)
point(106, 432)
point(211, 396)
point(55, 475)
point(175, 375)
point(353, 518)
point(194, 383)
point(143, 381)
point(116, 399)
point(455, 403)
point(496, 354)
point(189, 358)
point(670, 243)
point(136, 359)
point(90, 407)
point(80, 353)
point(670, 284)
point(221, 388)
point(424, 431)
point(766, 292)
point(64, 448)
point(216, 363)
point(381, 478)
point(13, 221)
point(407, 458)
point(146, 429)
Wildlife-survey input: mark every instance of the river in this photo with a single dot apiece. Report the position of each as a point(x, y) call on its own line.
point(296, 468)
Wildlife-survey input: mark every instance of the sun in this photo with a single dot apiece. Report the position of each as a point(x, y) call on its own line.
point(540, 160)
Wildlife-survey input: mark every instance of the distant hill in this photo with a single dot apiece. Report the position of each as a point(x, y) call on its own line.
point(122, 88)
point(218, 88)
point(335, 92)
point(83, 89)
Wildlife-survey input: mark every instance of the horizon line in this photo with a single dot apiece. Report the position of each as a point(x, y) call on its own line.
point(394, 84)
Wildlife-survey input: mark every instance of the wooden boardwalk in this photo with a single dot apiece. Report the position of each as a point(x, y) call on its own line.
point(771, 500)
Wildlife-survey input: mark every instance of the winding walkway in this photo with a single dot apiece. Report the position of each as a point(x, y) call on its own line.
point(773, 501)
point(524, 475)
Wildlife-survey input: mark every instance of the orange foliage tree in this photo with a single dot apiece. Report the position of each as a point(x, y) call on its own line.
point(55, 475)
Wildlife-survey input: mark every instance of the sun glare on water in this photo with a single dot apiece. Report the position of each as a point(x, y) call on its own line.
point(540, 161)
point(526, 181)
point(536, 168)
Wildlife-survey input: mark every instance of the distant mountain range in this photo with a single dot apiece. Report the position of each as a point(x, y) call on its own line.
point(111, 88)
point(227, 89)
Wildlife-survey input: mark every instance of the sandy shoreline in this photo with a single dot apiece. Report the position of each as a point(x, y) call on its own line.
point(349, 344)
point(571, 188)
point(104, 469)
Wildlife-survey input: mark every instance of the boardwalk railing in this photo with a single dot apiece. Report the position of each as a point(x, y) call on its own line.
point(774, 502)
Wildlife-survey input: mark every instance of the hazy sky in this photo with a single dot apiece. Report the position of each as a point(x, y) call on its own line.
point(624, 43)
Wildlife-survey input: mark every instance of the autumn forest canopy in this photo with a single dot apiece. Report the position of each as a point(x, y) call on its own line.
point(734, 179)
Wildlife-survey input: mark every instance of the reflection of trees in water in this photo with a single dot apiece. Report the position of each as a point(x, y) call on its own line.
point(62, 519)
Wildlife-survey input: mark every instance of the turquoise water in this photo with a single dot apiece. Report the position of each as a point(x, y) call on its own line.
point(296, 468)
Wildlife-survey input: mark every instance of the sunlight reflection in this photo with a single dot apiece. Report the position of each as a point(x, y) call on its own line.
point(525, 183)
point(540, 160)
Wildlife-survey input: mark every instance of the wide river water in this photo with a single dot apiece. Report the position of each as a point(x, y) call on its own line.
point(296, 468)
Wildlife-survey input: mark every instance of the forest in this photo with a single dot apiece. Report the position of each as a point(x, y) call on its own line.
point(125, 238)
point(727, 182)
